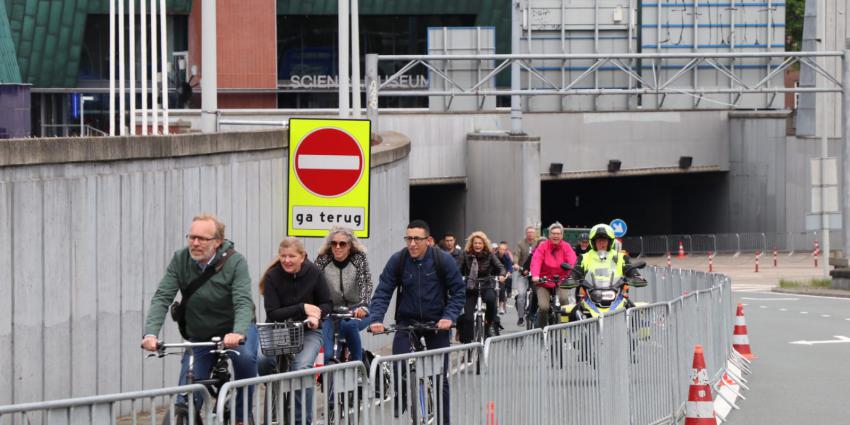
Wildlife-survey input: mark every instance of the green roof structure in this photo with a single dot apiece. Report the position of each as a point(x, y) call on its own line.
point(9, 71)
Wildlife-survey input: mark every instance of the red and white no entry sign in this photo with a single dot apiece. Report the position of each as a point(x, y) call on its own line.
point(328, 162)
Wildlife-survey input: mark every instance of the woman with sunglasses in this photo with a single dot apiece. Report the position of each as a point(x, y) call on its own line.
point(342, 260)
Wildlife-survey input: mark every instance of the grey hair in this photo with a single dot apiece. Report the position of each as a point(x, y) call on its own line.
point(556, 225)
point(356, 245)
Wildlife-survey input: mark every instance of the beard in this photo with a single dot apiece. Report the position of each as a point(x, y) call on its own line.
point(203, 253)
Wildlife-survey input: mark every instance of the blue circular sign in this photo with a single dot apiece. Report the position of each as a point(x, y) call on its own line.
point(619, 227)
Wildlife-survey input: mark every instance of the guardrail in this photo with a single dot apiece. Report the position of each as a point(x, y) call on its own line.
point(144, 405)
point(727, 243)
point(629, 367)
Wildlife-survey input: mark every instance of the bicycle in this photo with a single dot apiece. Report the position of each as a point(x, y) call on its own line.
point(423, 411)
point(480, 331)
point(340, 354)
point(283, 340)
point(219, 375)
point(555, 310)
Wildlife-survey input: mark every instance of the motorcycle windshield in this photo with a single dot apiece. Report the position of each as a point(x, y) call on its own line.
point(601, 278)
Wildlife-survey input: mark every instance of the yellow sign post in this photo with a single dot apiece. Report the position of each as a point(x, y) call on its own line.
point(329, 166)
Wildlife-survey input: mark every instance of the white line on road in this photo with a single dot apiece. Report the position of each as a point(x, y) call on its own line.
point(770, 299)
point(839, 339)
point(804, 312)
point(825, 315)
point(762, 306)
point(783, 309)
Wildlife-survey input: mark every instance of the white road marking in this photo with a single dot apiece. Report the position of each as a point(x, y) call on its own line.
point(804, 312)
point(783, 309)
point(770, 299)
point(839, 339)
point(762, 306)
point(825, 315)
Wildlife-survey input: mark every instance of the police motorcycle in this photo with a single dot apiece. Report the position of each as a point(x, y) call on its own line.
point(602, 292)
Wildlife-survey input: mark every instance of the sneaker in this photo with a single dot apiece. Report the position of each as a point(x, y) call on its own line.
point(501, 310)
point(520, 322)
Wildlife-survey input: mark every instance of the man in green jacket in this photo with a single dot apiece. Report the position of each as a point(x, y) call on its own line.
point(221, 306)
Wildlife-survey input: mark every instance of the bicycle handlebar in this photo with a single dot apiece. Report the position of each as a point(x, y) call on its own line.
point(426, 326)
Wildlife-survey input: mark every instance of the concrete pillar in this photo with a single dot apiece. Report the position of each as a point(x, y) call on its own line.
point(503, 192)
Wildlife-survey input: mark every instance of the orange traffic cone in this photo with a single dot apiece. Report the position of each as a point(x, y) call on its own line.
point(740, 340)
point(699, 410)
point(681, 250)
point(491, 414)
point(320, 358)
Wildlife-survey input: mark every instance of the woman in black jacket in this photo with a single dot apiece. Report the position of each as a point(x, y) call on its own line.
point(295, 289)
point(477, 262)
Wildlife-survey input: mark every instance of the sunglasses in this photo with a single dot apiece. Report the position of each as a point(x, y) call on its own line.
point(339, 244)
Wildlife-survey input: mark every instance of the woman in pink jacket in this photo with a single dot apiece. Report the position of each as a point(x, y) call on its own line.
point(546, 262)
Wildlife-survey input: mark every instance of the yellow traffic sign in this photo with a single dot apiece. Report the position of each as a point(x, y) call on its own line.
point(329, 167)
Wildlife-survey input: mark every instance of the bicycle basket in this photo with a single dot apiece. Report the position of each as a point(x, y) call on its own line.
point(281, 338)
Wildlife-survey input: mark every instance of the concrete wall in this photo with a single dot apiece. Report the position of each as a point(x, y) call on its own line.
point(87, 228)
point(769, 187)
point(504, 188)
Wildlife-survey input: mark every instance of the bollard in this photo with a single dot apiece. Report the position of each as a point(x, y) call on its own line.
point(669, 262)
point(758, 254)
point(816, 253)
point(710, 262)
point(775, 257)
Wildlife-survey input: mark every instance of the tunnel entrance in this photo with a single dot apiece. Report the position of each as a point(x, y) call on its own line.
point(442, 206)
point(650, 205)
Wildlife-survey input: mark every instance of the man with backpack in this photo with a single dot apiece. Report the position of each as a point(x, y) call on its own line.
point(430, 289)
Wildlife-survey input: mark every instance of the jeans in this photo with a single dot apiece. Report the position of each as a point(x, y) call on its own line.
point(348, 329)
point(543, 295)
point(244, 366)
point(303, 360)
point(434, 340)
point(521, 285)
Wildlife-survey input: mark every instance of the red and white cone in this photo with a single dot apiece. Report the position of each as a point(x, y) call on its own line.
point(758, 254)
point(699, 410)
point(816, 253)
point(740, 340)
point(775, 257)
point(681, 250)
point(320, 358)
point(710, 262)
point(669, 261)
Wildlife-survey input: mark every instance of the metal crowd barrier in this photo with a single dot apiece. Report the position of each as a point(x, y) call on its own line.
point(629, 367)
point(512, 361)
point(439, 386)
point(727, 243)
point(334, 394)
point(145, 406)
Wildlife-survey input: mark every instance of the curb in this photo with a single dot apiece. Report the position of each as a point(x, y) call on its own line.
point(840, 293)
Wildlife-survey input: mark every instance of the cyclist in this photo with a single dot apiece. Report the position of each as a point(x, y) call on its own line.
point(546, 262)
point(522, 257)
point(504, 255)
point(295, 289)
point(342, 259)
point(583, 245)
point(604, 256)
point(430, 288)
point(219, 304)
point(478, 262)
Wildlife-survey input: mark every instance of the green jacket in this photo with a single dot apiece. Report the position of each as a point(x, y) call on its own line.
point(221, 305)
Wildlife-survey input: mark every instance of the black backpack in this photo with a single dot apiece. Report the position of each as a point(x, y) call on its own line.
point(399, 274)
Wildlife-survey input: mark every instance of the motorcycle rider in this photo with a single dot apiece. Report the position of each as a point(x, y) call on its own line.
point(603, 255)
point(583, 245)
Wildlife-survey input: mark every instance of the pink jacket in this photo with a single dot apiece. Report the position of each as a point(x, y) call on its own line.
point(546, 260)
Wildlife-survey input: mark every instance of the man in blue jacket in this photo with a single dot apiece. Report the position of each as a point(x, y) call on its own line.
point(430, 290)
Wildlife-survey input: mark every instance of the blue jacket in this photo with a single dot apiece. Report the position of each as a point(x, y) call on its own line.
point(424, 297)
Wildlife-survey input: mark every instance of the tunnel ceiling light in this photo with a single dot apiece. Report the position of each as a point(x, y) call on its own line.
point(614, 165)
point(685, 162)
point(555, 168)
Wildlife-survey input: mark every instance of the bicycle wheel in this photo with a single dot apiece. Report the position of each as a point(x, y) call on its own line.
point(426, 401)
point(181, 416)
point(479, 329)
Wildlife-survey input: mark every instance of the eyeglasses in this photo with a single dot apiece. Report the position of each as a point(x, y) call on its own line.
point(417, 239)
point(192, 238)
point(339, 244)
